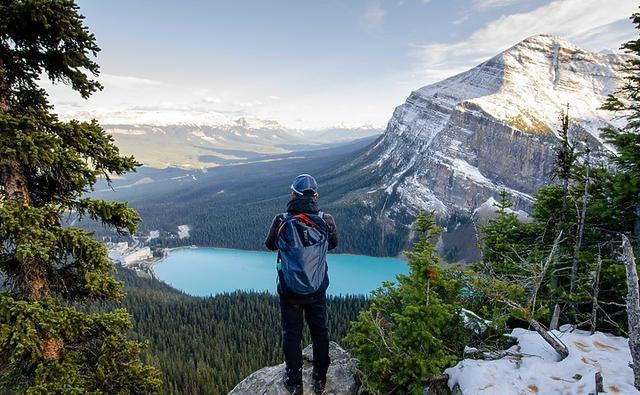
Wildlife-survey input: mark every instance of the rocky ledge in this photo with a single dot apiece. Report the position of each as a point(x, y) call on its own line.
point(341, 377)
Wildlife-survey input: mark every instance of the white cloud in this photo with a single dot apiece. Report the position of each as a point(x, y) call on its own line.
point(462, 19)
point(493, 3)
point(126, 81)
point(373, 17)
point(593, 24)
point(609, 36)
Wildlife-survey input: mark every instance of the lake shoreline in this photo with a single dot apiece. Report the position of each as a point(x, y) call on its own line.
point(168, 250)
point(206, 271)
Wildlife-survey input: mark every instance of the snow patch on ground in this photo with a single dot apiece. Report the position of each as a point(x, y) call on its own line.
point(488, 209)
point(183, 231)
point(153, 234)
point(474, 322)
point(540, 371)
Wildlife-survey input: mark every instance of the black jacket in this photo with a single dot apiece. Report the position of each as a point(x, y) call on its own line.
point(302, 205)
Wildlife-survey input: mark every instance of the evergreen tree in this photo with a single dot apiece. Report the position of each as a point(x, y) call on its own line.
point(565, 154)
point(504, 240)
point(46, 344)
point(413, 329)
point(626, 141)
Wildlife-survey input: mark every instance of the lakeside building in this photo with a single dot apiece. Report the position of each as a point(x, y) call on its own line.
point(126, 256)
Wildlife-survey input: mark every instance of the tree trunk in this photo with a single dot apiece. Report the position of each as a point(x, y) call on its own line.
point(436, 385)
point(543, 272)
point(13, 181)
point(576, 248)
point(13, 185)
point(594, 295)
point(555, 318)
point(599, 383)
point(560, 348)
point(636, 225)
point(633, 307)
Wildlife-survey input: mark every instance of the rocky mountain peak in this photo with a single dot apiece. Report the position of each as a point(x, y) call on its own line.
point(528, 84)
point(543, 42)
point(454, 144)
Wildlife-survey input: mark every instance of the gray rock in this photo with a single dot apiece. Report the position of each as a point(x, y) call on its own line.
point(341, 377)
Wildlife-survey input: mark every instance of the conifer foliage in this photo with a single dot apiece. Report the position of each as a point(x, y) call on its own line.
point(625, 181)
point(413, 329)
point(46, 344)
point(626, 140)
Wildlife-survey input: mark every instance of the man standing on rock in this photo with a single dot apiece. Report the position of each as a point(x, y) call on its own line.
point(302, 236)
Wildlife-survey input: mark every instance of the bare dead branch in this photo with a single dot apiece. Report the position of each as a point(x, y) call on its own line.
point(596, 291)
point(633, 307)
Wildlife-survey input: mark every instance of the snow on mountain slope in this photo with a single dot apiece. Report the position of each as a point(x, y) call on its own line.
point(456, 143)
point(508, 106)
point(543, 74)
point(152, 117)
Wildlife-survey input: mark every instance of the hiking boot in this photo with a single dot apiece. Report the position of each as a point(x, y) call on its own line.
point(318, 385)
point(294, 388)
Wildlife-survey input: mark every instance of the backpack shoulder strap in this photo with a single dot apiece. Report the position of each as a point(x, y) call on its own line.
point(283, 222)
point(321, 215)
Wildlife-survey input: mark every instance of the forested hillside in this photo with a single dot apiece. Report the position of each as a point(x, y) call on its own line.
point(232, 206)
point(207, 345)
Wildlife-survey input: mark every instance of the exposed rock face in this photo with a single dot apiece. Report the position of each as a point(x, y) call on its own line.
point(341, 377)
point(455, 144)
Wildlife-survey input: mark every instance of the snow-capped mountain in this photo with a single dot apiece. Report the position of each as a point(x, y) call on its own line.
point(453, 145)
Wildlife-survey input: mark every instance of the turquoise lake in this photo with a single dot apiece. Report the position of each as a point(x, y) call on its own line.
point(209, 271)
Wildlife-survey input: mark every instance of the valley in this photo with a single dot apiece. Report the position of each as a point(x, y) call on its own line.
point(218, 142)
point(232, 206)
point(449, 149)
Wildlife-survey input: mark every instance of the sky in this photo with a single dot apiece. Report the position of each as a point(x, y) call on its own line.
point(308, 64)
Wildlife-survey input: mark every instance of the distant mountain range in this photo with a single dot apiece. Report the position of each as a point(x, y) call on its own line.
point(218, 142)
point(450, 148)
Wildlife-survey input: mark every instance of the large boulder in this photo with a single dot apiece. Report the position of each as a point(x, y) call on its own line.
point(341, 377)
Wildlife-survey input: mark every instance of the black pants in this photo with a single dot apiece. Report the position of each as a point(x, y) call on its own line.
point(315, 313)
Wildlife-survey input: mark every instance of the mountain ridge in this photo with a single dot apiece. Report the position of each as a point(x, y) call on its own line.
point(455, 144)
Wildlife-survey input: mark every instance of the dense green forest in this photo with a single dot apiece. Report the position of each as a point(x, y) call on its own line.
point(208, 345)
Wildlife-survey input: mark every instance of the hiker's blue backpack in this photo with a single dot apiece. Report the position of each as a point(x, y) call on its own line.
point(302, 259)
